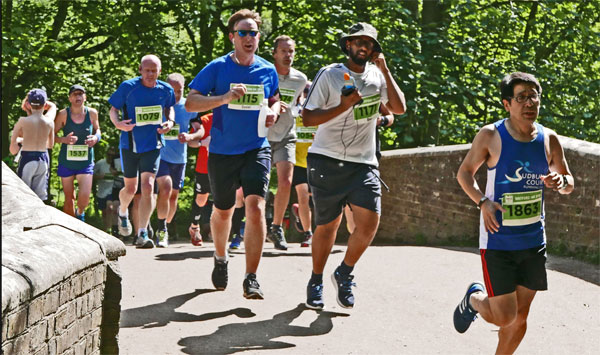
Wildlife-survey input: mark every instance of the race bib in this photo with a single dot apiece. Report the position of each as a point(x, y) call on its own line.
point(304, 134)
point(173, 134)
point(77, 152)
point(251, 100)
point(287, 95)
point(522, 208)
point(369, 108)
point(146, 115)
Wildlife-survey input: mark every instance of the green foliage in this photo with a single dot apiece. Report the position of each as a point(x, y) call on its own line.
point(448, 56)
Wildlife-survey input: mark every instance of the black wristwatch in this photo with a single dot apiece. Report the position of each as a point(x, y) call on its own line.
point(483, 199)
point(565, 182)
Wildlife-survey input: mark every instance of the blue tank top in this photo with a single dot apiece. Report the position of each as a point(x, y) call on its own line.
point(515, 182)
point(76, 156)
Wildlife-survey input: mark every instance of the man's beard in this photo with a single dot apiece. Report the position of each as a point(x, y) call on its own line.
point(357, 60)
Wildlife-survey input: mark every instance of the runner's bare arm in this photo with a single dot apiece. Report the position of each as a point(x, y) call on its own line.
point(50, 142)
point(124, 125)
point(477, 155)
point(51, 109)
point(169, 123)
point(275, 106)
point(396, 101)
point(193, 139)
point(558, 167)
point(93, 139)
point(16, 133)
point(196, 102)
point(319, 116)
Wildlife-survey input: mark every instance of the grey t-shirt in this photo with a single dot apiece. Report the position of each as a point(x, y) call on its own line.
point(290, 87)
point(351, 135)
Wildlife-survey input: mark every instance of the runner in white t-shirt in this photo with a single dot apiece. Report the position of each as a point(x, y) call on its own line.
point(342, 167)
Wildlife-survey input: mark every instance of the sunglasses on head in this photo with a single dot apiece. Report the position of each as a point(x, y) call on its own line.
point(243, 33)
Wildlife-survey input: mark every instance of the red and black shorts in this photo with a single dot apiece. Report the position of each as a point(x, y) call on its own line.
point(503, 270)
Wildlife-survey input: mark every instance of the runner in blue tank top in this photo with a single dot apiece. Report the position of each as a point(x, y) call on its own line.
point(81, 131)
point(522, 158)
point(147, 106)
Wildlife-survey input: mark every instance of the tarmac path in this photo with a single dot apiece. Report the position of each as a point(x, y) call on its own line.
point(404, 303)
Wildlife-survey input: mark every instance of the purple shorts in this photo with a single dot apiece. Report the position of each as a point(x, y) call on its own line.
point(66, 172)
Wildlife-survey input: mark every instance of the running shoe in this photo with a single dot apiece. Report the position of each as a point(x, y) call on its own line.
point(464, 314)
point(162, 238)
point(252, 288)
point(195, 236)
point(276, 237)
point(80, 217)
point(343, 287)
point(297, 222)
point(125, 228)
point(236, 242)
point(219, 275)
point(150, 231)
point(307, 239)
point(143, 242)
point(314, 296)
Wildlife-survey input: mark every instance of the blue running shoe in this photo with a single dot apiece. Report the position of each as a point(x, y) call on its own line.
point(143, 242)
point(343, 286)
point(314, 296)
point(464, 314)
point(80, 217)
point(236, 242)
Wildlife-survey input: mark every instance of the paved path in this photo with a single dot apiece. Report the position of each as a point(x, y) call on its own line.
point(404, 303)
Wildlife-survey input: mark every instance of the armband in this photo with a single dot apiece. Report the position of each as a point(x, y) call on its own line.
point(99, 136)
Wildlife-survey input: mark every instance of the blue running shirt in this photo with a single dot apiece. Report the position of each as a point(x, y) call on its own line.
point(132, 97)
point(173, 151)
point(235, 130)
point(516, 184)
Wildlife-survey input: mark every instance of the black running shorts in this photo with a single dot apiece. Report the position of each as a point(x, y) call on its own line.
point(503, 270)
point(227, 173)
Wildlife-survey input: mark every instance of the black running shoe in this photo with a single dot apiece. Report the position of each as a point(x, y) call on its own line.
point(314, 296)
point(343, 286)
point(252, 288)
point(219, 275)
point(464, 314)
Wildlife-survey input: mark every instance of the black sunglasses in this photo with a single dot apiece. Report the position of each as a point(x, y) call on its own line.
point(243, 33)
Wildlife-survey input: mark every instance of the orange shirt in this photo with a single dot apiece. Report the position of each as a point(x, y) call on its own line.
point(202, 160)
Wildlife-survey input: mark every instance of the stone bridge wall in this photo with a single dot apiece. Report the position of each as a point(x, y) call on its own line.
point(61, 286)
point(426, 204)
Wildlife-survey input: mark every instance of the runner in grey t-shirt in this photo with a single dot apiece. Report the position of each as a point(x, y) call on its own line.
point(282, 135)
point(342, 167)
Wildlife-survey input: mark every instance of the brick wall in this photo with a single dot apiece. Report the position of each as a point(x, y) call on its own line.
point(61, 287)
point(427, 206)
point(64, 319)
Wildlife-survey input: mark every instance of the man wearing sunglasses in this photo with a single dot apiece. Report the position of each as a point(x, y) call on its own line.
point(342, 166)
point(282, 136)
point(235, 87)
point(522, 157)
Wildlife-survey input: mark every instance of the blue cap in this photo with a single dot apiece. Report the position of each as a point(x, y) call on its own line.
point(37, 97)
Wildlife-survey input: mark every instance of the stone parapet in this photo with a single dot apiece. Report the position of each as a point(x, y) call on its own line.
point(61, 286)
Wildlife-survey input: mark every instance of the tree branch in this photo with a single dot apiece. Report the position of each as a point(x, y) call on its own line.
point(59, 19)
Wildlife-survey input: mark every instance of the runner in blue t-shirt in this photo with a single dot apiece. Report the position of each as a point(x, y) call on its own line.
point(173, 156)
point(235, 87)
point(147, 106)
point(522, 157)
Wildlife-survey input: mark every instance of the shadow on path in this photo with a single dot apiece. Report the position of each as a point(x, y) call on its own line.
point(260, 335)
point(185, 255)
point(161, 314)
